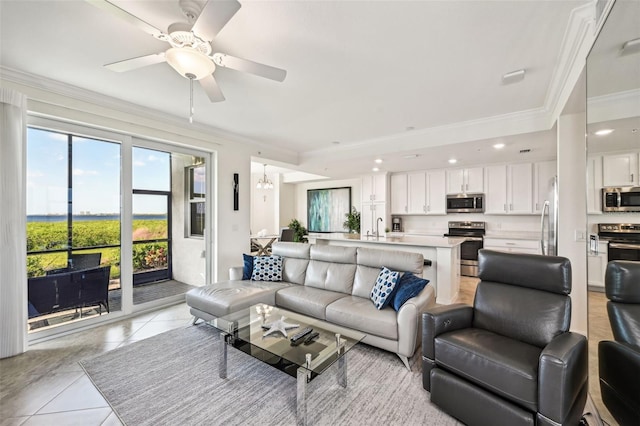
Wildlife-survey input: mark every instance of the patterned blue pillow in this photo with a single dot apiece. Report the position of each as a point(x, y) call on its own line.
point(383, 287)
point(267, 268)
point(408, 287)
point(247, 267)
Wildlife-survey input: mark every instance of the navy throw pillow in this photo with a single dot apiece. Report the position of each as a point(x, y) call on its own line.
point(409, 286)
point(247, 267)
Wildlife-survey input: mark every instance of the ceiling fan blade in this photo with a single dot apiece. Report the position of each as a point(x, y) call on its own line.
point(210, 86)
point(123, 14)
point(214, 16)
point(134, 63)
point(250, 67)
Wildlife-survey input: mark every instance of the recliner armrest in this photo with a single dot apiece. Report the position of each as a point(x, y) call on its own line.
point(619, 369)
point(442, 319)
point(563, 372)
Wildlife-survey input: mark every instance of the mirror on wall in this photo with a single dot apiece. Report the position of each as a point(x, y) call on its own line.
point(613, 151)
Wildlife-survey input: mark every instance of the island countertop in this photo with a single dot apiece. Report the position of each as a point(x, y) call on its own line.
point(404, 240)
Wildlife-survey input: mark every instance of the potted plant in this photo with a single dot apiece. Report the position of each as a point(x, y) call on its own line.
point(299, 231)
point(352, 223)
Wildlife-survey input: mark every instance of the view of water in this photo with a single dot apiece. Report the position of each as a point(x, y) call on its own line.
point(85, 218)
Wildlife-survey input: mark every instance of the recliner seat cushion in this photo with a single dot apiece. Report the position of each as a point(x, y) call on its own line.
point(306, 300)
point(361, 314)
point(502, 365)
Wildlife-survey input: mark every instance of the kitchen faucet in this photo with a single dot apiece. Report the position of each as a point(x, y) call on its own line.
point(377, 229)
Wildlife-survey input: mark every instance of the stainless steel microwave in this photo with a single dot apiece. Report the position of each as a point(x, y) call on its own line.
point(465, 203)
point(626, 199)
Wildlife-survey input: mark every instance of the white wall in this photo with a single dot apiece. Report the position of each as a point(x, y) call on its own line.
point(300, 198)
point(572, 190)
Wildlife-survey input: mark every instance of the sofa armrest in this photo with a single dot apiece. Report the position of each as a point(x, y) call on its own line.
point(563, 372)
point(235, 273)
point(409, 320)
point(442, 319)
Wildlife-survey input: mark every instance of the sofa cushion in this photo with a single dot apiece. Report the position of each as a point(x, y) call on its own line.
point(408, 286)
point(360, 314)
point(247, 266)
point(383, 288)
point(228, 296)
point(267, 268)
point(306, 300)
point(330, 276)
point(502, 365)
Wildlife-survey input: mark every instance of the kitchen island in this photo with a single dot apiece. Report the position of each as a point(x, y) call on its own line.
point(443, 252)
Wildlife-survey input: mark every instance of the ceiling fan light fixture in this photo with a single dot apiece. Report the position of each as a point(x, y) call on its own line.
point(186, 60)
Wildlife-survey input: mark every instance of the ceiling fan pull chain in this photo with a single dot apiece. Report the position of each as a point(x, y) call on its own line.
point(191, 78)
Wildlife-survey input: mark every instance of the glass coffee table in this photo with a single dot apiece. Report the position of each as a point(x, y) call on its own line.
point(257, 331)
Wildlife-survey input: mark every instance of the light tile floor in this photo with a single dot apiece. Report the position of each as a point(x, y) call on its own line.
point(47, 386)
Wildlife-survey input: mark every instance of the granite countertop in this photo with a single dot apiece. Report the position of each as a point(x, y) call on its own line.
point(406, 240)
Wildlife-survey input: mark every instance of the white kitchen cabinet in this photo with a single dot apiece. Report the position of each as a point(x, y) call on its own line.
point(543, 173)
point(369, 217)
point(465, 180)
point(436, 194)
point(620, 169)
point(374, 188)
point(417, 200)
point(510, 245)
point(399, 193)
point(597, 266)
point(594, 185)
point(495, 198)
point(509, 189)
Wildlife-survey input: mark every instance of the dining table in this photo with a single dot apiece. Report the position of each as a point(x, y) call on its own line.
point(263, 244)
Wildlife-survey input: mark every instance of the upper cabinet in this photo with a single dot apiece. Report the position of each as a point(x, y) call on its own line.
point(543, 173)
point(418, 193)
point(509, 189)
point(620, 170)
point(374, 188)
point(399, 195)
point(465, 180)
point(594, 184)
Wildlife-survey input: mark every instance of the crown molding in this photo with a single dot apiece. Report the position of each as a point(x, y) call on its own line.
point(45, 94)
point(576, 43)
point(613, 106)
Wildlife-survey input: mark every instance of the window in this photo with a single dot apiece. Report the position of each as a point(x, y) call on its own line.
point(196, 190)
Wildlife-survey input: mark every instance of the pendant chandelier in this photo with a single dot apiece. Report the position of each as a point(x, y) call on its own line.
point(264, 183)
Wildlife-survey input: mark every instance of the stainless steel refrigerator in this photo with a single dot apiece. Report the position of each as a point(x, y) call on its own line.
point(549, 221)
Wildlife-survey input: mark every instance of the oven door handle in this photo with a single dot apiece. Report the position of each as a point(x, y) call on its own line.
point(473, 238)
point(624, 246)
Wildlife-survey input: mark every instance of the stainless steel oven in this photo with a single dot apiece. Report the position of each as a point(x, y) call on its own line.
point(623, 238)
point(473, 233)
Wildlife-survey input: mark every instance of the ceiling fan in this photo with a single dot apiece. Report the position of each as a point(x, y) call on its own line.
point(191, 54)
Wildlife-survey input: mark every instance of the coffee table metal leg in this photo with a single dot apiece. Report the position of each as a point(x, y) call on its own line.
point(303, 376)
point(342, 371)
point(222, 362)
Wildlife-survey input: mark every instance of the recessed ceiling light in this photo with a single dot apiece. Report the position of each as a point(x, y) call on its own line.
point(498, 146)
point(452, 161)
point(376, 169)
point(378, 160)
point(603, 132)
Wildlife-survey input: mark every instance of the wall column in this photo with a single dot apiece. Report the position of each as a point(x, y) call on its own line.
point(13, 238)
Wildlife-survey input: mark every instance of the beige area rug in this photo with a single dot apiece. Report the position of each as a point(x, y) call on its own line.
point(172, 379)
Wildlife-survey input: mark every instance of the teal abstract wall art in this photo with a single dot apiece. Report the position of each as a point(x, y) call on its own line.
point(326, 209)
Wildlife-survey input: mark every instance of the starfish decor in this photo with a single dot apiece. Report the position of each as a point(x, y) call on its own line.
point(279, 325)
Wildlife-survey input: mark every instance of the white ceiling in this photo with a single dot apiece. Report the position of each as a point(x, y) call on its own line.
point(365, 79)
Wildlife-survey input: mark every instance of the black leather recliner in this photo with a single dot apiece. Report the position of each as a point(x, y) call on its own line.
point(619, 361)
point(510, 359)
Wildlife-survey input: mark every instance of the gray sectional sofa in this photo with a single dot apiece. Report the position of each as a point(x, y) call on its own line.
point(330, 283)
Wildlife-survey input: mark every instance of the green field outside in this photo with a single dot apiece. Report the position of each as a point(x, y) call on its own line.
point(53, 235)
